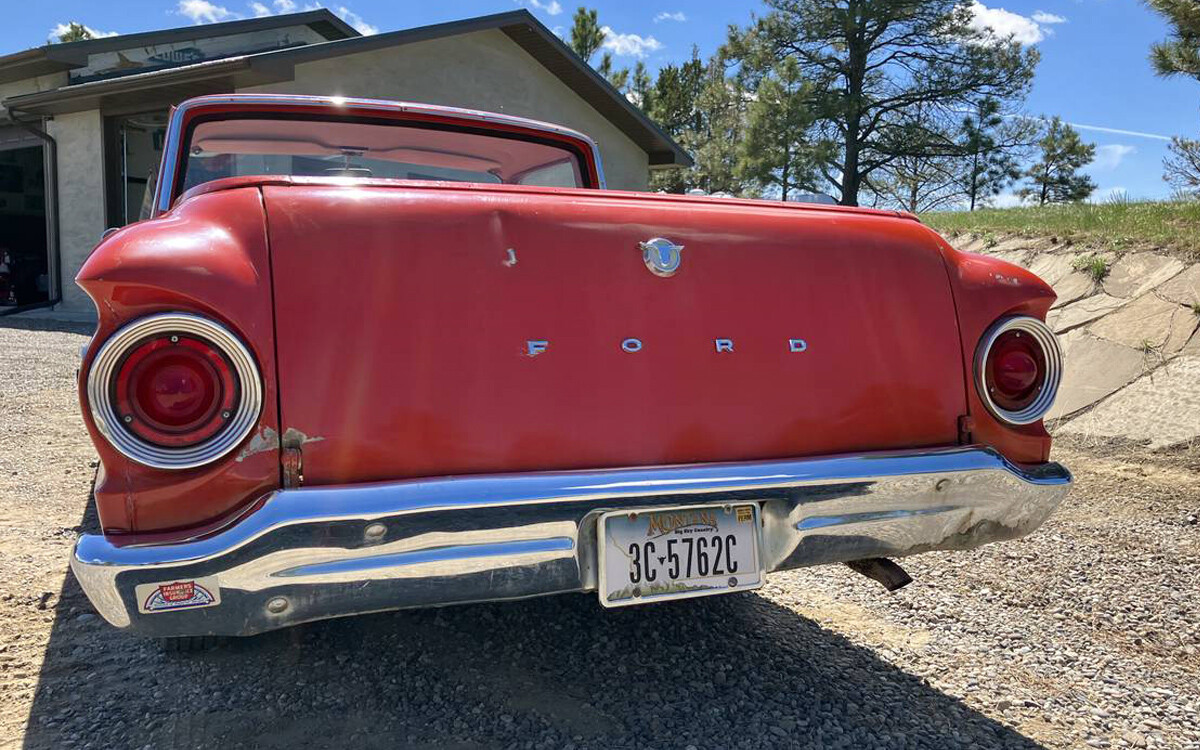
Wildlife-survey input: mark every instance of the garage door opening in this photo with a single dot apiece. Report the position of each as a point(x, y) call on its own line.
point(137, 142)
point(24, 262)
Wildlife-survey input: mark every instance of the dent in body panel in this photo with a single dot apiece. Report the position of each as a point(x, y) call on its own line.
point(440, 376)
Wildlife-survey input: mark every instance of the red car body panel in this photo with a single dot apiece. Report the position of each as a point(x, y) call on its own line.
point(390, 323)
point(209, 257)
point(401, 307)
point(985, 290)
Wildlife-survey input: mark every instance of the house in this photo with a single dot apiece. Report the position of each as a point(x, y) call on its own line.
point(82, 123)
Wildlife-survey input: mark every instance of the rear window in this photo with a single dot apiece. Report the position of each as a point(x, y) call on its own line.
point(355, 148)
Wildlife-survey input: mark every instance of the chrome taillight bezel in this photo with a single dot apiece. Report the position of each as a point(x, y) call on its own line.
point(107, 363)
point(1051, 377)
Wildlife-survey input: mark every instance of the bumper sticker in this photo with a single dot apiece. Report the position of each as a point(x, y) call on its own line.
point(187, 594)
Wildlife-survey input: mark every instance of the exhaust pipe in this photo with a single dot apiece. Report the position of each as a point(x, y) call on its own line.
point(883, 570)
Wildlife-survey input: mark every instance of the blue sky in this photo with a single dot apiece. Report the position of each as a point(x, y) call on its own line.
point(1094, 71)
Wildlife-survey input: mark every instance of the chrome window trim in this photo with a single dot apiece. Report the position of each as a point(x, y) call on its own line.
point(108, 422)
point(1050, 380)
point(166, 183)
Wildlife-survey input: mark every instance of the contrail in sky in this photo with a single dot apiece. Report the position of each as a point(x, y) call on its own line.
point(1102, 129)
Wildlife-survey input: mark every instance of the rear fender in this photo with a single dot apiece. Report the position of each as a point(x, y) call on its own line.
point(209, 256)
point(986, 289)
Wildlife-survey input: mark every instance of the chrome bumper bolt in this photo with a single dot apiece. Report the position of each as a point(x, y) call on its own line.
point(374, 532)
point(277, 606)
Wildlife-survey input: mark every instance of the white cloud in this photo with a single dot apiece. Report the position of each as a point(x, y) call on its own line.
point(550, 7)
point(355, 20)
point(665, 16)
point(202, 11)
point(260, 10)
point(1109, 156)
point(1004, 24)
point(1048, 19)
point(63, 28)
point(629, 44)
point(1005, 200)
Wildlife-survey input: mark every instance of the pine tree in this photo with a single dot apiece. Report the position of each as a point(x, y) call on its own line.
point(872, 62)
point(586, 33)
point(1055, 177)
point(618, 78)
point(674, 105)
point(991, 146)
point(1180, 53)
point(641, 87)
point(76, 32)
point(776, 154)
point(1181, 166)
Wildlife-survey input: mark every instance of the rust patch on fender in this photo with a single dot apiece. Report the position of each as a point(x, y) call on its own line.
point(264, 440)
point(293, 438)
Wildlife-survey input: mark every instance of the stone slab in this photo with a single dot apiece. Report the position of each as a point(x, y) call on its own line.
point(1162, 407)
point(1063, 319)
point(1095, 368)
point(1184, 288)
point(1074, 286)
point(1052, 268)
point(1137, 273)
point(1192, 347)
point(1017, 245)
point(1148, 322)
point(1016, 257)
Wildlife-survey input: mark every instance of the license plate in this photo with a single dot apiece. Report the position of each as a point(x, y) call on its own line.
point(675, 553)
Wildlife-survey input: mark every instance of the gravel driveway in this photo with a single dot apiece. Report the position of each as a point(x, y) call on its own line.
point(1084, 635)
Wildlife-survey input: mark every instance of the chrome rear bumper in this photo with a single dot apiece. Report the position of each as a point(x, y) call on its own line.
point(318, 552)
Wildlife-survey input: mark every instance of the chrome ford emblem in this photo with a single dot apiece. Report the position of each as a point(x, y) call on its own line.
point(662, 256)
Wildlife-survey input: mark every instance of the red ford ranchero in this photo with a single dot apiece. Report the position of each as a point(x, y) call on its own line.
point(369, 355)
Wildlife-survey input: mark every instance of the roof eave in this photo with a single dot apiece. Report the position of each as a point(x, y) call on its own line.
point(519, 25)
point(61, 56)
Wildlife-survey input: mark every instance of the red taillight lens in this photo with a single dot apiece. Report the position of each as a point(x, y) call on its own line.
point(1018, 367)
point(1015, 370)
point(175, 391)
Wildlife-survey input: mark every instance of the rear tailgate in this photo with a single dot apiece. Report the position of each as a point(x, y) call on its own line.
point(404, 325)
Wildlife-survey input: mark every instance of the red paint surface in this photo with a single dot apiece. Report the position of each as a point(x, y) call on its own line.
point(208, 257)
point(402, 332)
point(985, 290)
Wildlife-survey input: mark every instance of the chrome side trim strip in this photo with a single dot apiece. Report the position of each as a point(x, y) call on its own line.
point(332, 551)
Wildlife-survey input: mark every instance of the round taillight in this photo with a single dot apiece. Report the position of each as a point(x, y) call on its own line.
point(174, 391)
point(1018, 367)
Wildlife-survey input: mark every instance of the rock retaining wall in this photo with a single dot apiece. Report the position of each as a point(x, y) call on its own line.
point(1128, 327)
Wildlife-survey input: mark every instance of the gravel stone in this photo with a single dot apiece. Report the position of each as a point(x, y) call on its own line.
point(1081, 635)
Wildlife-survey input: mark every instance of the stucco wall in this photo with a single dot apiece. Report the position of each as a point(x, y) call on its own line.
point(32, 85)
point(483, 70)
point(80, 139)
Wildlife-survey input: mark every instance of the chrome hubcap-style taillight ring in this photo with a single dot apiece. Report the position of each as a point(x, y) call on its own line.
point(1049, 378)
point(241, 418)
